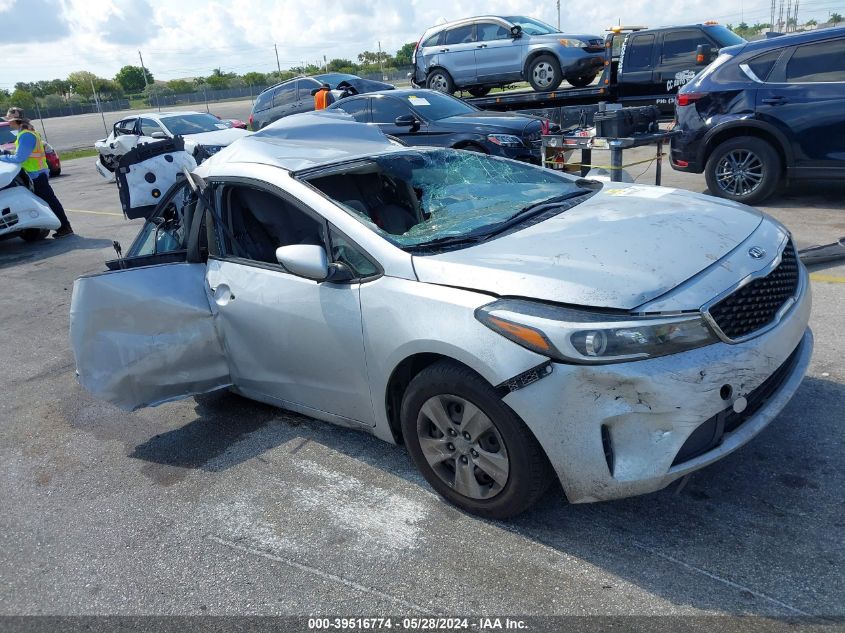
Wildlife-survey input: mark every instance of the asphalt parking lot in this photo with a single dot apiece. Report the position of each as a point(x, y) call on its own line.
point(218, 505)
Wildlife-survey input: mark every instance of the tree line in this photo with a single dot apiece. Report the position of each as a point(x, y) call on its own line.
point(82, 87)
point(748, 31)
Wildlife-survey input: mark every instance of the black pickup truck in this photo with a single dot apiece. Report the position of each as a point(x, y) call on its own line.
point(642, 67)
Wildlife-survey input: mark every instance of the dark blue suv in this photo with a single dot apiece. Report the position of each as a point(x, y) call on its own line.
point(764, 113)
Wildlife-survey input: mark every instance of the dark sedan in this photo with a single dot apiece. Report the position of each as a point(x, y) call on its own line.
point(428, 117)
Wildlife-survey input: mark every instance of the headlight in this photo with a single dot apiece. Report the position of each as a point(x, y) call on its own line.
point(572, 43)
point(506, 140)
point(581, 336)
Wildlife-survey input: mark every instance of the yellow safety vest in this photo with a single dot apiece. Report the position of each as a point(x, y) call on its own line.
point(37, 161)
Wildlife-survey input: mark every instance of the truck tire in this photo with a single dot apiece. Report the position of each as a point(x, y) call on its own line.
point(441, 81)
point(469, 445)
point(745, 169)
point(544, 73)
point(581, 82)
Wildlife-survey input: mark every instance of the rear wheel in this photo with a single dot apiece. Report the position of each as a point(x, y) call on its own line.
point(544, 73)
point(441, 81)
point(745, 169)
point(469, 445)
point(582, 81)
point(34, 235)
point(479, 92)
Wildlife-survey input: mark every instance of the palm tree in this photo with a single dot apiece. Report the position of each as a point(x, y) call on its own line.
point(835, 18)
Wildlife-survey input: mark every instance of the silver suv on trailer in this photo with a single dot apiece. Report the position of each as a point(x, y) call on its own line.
point(480, 53)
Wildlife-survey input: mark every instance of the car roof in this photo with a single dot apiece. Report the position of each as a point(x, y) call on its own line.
point(287, 81)
point(791, 39)
point(301, 141)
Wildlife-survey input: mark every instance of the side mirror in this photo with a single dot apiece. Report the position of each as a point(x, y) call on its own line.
point(159, 135)
point(406, 120)
point(703, 54)
point(305, 260)
point(516, 31)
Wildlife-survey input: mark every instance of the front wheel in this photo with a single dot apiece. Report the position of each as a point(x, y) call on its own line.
point(469, 445)
point(745, 169)
point(34, 235)
point(441, 81)
point(581, 82)
point(544, 73)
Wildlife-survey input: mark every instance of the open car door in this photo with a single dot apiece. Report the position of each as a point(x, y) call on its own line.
point(145, 333)
point(146, 172)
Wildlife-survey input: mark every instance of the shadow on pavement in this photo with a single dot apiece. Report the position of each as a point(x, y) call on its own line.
point(761, 525)
point(15, 250)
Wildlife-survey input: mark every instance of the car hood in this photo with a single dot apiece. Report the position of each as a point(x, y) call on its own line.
point(623, 247)
point(217, 137)
point(490, 121)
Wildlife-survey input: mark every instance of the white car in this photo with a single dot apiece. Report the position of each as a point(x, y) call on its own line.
point(204, 135)
point(511, 325)
point(22, 213)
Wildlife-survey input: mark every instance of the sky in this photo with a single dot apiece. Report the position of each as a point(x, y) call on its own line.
point(48, 39)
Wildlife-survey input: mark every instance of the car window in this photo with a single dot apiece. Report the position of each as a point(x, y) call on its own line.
point(127, 126)
point(305, 86)
point(284, 94)
point(148, 126)
point(679, 47)
point(192, 123)
point(816, 63)
point(532, 26)
point(434, 40)
point(488, 31)
point(358, 109)
point(639, 53)
point(762, 65)
point(460, 35)
point(436, 105)
point(264, 101)
point(345, 252)
point(167, 230)
point(6, 135)
point(261, 222)
point(386, 109)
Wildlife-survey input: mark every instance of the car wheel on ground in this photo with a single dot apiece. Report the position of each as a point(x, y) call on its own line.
point(440, 80)
point(53, 174)
point(745, 169)
point(581, 82)
point(33, 235)
point(479, 92)
point(544, 73)
point(469, 445)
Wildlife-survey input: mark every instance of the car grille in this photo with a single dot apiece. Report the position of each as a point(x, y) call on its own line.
point(710, 433)
point(8, 220)
point(755, 304)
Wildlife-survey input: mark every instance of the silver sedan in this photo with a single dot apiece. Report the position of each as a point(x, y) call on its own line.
point(511, 325)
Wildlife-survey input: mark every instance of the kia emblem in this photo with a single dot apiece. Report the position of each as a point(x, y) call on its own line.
point(756, 252)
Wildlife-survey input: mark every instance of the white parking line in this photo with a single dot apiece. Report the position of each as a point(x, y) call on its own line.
point(117, 215)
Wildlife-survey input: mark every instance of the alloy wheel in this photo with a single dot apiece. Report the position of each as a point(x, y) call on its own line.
point(543, 74)
point(439, 83)
point(739, 172)
point(463, 446)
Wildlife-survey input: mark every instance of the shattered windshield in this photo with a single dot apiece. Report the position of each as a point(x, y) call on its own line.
point(192, 124)
point(432, 197)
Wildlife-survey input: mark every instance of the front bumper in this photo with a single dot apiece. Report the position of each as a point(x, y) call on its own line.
point(619, 430)
point(20, 210)
point(524, 154)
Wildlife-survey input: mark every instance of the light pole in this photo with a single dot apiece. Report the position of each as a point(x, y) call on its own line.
point(558, 15)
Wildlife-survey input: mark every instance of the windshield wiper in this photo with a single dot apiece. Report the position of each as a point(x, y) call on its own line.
point(533, 210)
point(450, 240)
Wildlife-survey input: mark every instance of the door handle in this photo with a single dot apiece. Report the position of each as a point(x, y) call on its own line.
point(774, 100)
point(482, 46)
point(222, 294)
point(444, 50)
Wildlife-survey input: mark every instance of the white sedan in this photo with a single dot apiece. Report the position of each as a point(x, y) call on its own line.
point(204, 134)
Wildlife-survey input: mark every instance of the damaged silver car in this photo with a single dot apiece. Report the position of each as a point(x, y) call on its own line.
point(511, 325)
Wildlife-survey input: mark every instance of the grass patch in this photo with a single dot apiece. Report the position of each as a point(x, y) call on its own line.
point(77, 153)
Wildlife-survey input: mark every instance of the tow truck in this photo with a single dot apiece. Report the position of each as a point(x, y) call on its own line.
point(642, 66)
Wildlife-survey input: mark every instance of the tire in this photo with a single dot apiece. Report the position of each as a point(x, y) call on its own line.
point(503, 446)
point(581, 82)
point(441, 81)
point(756, 163)
point(56, 173)
point(33, 235)
point(479, 92)
point(544, 73)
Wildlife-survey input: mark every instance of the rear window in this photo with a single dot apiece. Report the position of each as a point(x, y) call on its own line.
point(433, 40)
point(264, 101)
point(816, 63)
point(762, 65)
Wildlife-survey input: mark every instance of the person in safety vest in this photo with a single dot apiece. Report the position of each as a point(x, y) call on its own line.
point(29, 154)
point(323, 97)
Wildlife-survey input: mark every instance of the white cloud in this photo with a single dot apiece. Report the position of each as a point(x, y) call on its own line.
point(191, 37)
